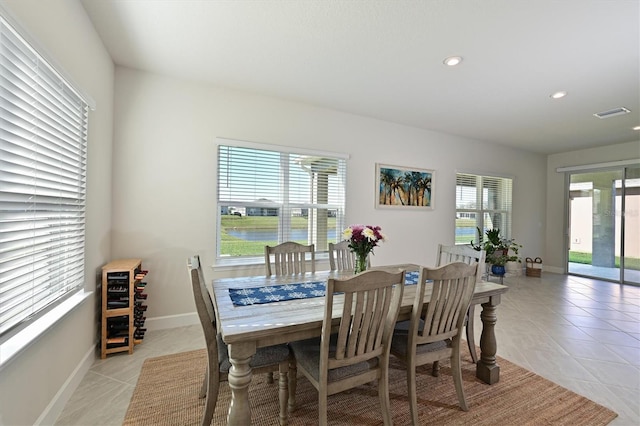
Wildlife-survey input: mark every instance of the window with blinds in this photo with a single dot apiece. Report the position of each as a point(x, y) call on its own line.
point(482, 202)
point(267, 195)
point(43, 138)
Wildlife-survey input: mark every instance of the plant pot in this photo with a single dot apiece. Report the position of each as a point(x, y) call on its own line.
point(513, 268)
point(497, 270)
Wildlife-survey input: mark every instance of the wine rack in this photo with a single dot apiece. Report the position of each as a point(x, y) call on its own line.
point(123, 306)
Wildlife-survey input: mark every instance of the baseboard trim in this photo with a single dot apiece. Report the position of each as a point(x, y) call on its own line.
point(60, 400)
point(57, 404)
point(172, 321)
point(554, 269)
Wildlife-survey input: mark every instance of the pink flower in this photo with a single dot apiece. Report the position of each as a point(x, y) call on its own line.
point(363, 238)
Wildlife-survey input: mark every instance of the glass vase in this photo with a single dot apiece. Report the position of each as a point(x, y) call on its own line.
point(361, 263)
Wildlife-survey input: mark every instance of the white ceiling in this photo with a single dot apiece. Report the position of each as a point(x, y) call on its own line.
point(383, 59)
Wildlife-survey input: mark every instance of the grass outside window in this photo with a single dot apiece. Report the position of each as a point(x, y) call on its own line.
point(586, 258)
point(233, 246)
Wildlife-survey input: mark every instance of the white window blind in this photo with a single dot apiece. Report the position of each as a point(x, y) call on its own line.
point(43, 137)
point(482, 202)
point(268, 195)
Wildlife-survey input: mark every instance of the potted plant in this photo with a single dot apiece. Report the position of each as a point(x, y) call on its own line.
point(499, 250)
point(497, 261)
point(514, 262)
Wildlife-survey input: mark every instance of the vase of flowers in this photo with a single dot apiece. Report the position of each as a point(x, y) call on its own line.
point(362, 240)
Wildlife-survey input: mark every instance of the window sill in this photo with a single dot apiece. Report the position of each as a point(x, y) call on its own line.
point(254, 265)
point(17, 343)
point(224, 262)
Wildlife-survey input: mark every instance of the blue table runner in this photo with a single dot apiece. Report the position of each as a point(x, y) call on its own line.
point(279, 293)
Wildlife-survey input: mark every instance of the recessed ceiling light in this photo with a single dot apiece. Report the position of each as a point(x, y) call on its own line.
point(558, 95)
point(636, 128)
point(452, 61)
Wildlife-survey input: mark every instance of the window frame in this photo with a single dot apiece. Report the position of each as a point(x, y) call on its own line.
point(482, 207)
point(285, 207)
point(54, 98)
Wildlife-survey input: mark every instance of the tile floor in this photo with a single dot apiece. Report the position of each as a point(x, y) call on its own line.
point(581, 333)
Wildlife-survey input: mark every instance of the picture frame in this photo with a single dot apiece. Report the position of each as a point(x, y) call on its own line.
point(400, 187)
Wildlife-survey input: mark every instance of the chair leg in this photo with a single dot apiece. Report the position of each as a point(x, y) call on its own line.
point(456, 372)
point(203, 389)
point(435, 369)
point(213, 386)
point(322, 407)
point(283, 391)
point(293, 384)
point(383, 392)
point(470, 334)
point(411, 387)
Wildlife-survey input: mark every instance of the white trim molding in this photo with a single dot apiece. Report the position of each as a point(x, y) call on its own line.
point(598, 165)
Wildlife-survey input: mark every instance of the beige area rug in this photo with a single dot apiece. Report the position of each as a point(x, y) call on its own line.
point(168, 386)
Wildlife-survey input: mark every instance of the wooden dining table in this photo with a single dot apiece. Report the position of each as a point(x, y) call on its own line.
point(246, 328)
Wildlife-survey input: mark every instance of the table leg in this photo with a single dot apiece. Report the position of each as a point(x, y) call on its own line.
point(486, 369)
point(239, 379)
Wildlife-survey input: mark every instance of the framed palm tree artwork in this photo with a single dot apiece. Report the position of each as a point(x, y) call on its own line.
point(404, 187)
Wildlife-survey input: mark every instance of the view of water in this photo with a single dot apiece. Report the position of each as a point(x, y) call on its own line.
point(301, 234)
point(465, 235)
point(462, 232)
point(272, 235)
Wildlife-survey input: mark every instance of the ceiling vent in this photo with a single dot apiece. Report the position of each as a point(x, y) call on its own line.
point(612, 112)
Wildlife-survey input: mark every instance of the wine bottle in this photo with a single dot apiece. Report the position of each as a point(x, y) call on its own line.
point(116, 342)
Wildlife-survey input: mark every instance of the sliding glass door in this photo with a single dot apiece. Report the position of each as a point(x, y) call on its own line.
point(631, 209)
point(604, 216)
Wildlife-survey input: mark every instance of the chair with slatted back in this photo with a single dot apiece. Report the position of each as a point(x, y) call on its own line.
point(468, 255)
point(341, 258)
point(289, 258)
point(356, 351)
point(267, 359)
point(435, 328)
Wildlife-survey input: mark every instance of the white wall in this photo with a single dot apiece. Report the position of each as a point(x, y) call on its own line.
point(165, 176)
point(37, 376)
point(555, 259)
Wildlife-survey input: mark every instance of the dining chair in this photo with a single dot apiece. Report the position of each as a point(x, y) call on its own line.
point(289, 258)
point(435, 329)
point(341, 258)
point(266, 359)
point(354, 351)
point(469, 255)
